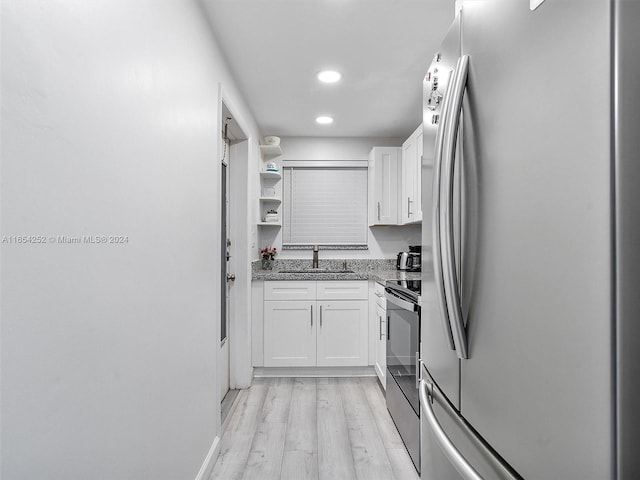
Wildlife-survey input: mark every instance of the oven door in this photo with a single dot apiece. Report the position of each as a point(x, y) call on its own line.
point(403, 347)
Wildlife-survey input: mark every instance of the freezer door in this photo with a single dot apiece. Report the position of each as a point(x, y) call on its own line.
point(450, 449)
point(538, 384)
point(436, 340)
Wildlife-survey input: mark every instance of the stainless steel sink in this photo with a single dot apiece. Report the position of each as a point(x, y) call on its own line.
point(316, 270)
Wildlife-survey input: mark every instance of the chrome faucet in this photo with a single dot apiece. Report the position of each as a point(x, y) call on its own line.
point(315, 257)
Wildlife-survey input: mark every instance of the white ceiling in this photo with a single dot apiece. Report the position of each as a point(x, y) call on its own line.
point(383, 48)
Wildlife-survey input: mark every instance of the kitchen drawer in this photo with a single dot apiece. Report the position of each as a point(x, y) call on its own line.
point(342, 290)
point(379, 293)
point(294, 290)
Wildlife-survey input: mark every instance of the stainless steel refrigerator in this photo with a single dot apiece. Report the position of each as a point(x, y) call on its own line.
point(530, 328)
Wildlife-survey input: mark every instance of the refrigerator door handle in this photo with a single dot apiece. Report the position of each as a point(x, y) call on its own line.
point(429, 394)
point(452, 287)
point(437, 248)
point(460, 463)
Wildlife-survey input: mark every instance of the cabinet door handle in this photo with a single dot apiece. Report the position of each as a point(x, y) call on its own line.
point(378, 211)
point(321, 315)
point(409, 202)
point(381, 322)
point(312, 315)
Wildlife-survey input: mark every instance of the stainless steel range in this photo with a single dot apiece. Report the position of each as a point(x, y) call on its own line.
point(403, 349)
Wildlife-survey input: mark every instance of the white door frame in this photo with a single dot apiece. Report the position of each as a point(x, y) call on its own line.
point(226, 269)
point(245, 157)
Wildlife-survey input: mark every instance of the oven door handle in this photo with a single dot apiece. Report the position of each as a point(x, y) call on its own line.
point(399, 302)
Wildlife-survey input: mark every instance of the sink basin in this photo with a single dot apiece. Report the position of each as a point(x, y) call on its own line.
point(316, 270)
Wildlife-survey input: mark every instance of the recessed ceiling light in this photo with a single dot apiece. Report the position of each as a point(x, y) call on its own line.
point(329, 76)
point(324, 120)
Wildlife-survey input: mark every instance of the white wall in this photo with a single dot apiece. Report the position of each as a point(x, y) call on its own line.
point(384, 242)
point(110, 126)
point(333, 148)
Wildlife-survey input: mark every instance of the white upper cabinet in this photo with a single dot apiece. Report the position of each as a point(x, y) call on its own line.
point(411, 185)
point(384, 182)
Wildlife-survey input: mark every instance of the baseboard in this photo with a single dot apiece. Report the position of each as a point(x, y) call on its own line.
point(314, 371)
point(207, 467)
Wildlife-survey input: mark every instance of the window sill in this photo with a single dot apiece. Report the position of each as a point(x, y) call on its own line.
point(324, 247)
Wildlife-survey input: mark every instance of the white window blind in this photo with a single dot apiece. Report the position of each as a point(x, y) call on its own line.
point(326, 206)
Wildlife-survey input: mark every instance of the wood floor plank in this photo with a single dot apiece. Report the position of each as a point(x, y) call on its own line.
point(388, 431)
point(240, 432)
point(300, 460)
point(265, 458)
point(276, 404)
point(249, 411)
point(402, 465)
point(335, 460)
point(232, 460)
point(302, 433)
point(299, 465)
point(370, 458)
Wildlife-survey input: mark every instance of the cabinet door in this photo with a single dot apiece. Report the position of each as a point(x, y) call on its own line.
point(342, 333)
point(384, 182)
point(381, 345)
point(411, 175)
point(417, 205)
point(289, 334)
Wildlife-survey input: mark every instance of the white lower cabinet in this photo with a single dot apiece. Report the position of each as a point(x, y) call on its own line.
point(342, 333)
point(380, 342)
point(319, 331)
point(381, 346)
point(289, 334)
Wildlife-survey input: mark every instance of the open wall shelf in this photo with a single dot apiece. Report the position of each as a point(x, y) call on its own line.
point(271, 175)
point(270, 151)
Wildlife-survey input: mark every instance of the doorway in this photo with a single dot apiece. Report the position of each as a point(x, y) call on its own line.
point(233, 168)
point(226, 276)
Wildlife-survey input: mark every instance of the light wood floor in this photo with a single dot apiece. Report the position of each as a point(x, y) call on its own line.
point(312, 428)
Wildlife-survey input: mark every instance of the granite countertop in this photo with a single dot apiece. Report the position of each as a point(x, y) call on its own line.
point(374, 270)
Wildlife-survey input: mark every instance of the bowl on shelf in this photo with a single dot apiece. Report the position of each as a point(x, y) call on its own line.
point(272, 167)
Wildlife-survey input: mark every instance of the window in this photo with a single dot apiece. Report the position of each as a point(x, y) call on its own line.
point(325, 205)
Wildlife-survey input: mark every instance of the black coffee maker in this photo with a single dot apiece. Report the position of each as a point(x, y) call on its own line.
point(410, 261)
point(415, 253)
